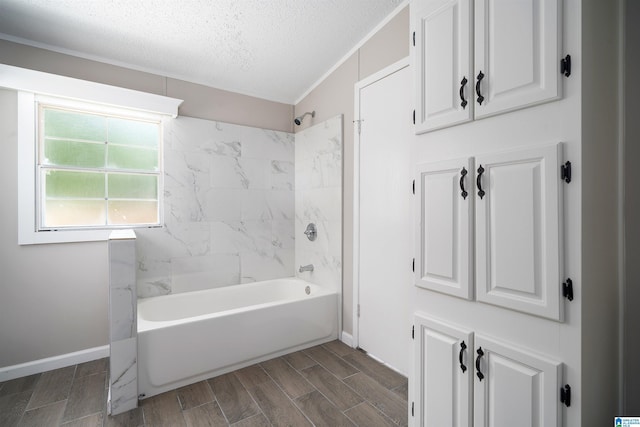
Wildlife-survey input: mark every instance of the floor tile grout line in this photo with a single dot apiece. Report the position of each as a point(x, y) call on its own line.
point(365, 399)
point(247, 390)
point(300, 409)
point(297, 372)
point(27, 409)
point(84, 416)
point(215, 399)
point(285, 393)
point(342, 382)
point(365, 402)
point(329, 370)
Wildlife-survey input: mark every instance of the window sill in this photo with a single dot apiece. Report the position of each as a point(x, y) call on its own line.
point(30, 237)
point(62, 236)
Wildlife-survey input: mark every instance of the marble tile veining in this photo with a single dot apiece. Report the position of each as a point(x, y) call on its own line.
point(318, 200)
point(123, 369)
point(228, 209)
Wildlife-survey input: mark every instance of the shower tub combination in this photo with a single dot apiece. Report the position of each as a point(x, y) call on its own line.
point(188, 337)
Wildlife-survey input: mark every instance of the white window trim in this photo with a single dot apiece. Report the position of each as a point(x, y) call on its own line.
point(28, 83)
point(37, 82)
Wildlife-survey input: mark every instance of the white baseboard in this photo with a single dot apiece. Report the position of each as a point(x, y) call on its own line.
point(346, 338)
point(42, 365)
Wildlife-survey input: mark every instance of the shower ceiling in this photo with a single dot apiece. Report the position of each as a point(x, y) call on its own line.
point(272, 49)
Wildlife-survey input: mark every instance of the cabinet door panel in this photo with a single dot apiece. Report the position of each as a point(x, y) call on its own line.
point(519, 387)
point(442, 59)
point(517, 48)
point(443, 252)
point(518, 231)
point(442, 389)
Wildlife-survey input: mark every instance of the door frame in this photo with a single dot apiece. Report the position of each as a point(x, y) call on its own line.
point(385, 72)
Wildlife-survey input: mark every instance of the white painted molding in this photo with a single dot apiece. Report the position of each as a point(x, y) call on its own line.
point(37, 82)
point(347, 339)
point(122, 235)
point(37, 366)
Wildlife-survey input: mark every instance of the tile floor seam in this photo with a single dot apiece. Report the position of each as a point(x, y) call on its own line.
point(364, 402)
point(277, 385)
point(299, 373)
point(346, 385)
point(341, 381)
point(45, 405)
point(300, 409)
point(245, 389)
point(250, 395)
point(215, 399)
point(331, 372)
point(286, 395)
point(80, 418)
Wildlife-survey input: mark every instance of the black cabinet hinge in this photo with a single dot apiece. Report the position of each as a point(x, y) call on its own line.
point(565, 395)
point(567, 289)
point(412, 408)
point(414, 38)
point(565, 172)
point(414, 186)
point(565, 66)
point(414, 117)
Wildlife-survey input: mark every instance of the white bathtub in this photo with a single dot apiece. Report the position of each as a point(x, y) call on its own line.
point(188, 337)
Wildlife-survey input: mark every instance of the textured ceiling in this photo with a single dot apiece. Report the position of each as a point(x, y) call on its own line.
point(272, 49)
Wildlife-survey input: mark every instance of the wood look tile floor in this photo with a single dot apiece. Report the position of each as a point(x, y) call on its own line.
point(327, 385)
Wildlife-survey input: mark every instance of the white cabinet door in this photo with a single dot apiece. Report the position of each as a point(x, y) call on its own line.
point(444, 214)
point(443, 374)
point(517, 50)
point(518, 388)
point(444, 80)
point(518, 206)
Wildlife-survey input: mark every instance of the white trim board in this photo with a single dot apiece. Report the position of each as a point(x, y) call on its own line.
point(347, 339)
point(38, 82)
point(42, 365)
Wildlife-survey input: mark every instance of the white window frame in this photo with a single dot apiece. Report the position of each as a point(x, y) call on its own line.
point(30, 84)
point(43, 102)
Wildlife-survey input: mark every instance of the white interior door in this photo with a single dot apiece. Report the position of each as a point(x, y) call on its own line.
point(384, 248)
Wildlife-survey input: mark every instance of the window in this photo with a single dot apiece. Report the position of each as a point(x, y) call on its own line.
point(65, 166)
point(96, 169)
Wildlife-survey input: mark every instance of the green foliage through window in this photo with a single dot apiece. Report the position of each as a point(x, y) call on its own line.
point(97, 170)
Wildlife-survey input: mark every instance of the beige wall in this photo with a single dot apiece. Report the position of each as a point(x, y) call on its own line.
point(631, 349)
point(53, 298)
point(600, 202)
point(335, 95)
point(200, 101)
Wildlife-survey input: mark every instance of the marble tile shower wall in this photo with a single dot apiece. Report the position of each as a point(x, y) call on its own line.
point(228, 209)
point(318, 187)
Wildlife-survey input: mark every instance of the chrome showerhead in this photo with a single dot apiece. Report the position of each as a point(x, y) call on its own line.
point(298, 120)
